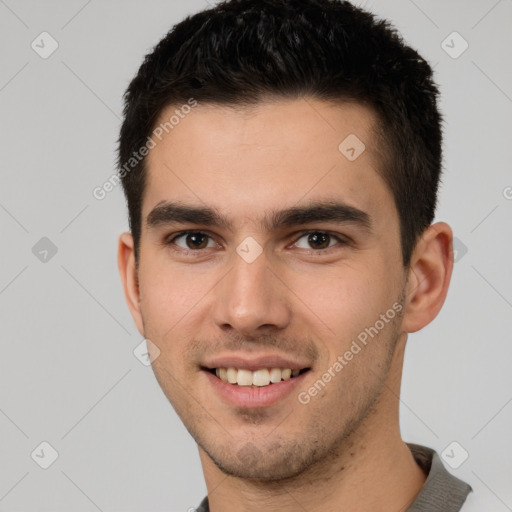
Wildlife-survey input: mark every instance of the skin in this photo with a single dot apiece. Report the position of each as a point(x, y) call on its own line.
point(344, 446)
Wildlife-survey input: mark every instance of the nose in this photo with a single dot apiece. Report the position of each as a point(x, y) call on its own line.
point(251, 299)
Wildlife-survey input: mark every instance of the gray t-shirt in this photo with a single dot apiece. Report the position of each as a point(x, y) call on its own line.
point(441, 492)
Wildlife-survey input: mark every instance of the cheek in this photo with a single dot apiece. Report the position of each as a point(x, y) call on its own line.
point(169, 296)
point(344, 302)
point(169, 288)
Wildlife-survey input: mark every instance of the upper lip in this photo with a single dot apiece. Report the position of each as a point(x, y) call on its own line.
point(255, 362)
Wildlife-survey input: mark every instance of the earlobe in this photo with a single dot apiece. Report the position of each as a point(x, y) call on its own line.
point(128, 273)
point(429, 276)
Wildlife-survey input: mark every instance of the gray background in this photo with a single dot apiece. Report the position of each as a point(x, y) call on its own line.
point(68, 375)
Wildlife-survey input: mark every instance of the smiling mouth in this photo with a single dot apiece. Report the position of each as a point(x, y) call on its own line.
point(258, 378)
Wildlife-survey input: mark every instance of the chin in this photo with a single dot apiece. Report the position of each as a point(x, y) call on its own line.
point(271, 463)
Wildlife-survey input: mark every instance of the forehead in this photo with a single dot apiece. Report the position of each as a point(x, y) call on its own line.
point(276, 154)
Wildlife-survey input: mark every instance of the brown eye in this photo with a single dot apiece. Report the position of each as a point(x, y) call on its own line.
point(194, 240)
point(317, 240)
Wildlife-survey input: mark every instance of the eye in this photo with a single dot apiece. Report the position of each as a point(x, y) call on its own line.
point(192, 240)
point(319, 240)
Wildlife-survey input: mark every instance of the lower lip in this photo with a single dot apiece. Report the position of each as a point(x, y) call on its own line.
point(254, 397)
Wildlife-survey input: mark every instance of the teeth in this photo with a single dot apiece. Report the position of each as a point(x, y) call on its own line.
point(258, 378)
point(244, 378)
point(231, 375)
point(275, 375)
point(261, 377)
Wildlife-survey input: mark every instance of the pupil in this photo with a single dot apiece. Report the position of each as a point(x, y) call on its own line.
point(196, 239)
point(320, 240)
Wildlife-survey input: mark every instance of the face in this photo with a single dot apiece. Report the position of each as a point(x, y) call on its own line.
point(266, 248)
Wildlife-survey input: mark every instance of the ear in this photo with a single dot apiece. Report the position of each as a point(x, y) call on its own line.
point(128, 272)
point(429, 276)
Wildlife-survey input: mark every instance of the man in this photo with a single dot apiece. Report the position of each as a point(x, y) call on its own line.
point(280, 161)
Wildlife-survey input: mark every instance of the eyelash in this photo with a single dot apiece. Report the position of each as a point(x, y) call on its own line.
point(169, 242)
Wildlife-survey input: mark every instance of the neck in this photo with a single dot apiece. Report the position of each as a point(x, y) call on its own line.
point(374, 471)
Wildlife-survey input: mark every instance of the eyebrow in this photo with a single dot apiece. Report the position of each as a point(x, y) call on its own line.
point(320, 211)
